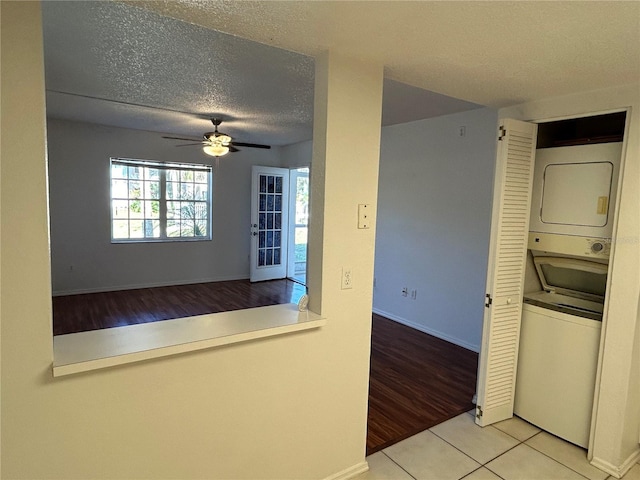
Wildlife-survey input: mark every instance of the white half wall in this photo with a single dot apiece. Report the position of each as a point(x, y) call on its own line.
point(434, 218)
point(292, 406)
point(83, 259)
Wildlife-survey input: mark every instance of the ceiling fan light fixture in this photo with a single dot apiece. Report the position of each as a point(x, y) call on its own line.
point(217, 143)
point(217, 137)
point(216, 150)
point(223, 139)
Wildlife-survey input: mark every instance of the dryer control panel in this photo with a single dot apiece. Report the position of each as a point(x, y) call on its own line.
point(583, 247)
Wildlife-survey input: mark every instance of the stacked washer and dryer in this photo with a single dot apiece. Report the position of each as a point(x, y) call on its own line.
point(569, 243)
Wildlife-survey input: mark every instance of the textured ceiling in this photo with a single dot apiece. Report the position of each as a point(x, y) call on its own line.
point(162, 74)
point(118, 65)
point(492, 53)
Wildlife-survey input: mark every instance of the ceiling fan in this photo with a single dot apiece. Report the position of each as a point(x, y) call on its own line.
point(217, 143)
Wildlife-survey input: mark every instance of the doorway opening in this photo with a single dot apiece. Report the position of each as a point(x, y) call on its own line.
point(298, 224)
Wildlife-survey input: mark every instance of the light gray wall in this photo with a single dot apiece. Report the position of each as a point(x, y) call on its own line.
point(434, 214)
point(297, 155)
point(83, 257)
point(434, 219)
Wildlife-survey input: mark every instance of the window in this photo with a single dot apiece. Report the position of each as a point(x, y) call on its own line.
point(157, 201)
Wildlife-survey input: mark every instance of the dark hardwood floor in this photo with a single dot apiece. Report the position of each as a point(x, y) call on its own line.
point(416, 380)
point(95, 311)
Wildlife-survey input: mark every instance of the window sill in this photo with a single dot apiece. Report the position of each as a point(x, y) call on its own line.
point(119, 241)
point(85, 351)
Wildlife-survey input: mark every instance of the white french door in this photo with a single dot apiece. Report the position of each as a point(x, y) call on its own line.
point(505, 274)
point(269, 223)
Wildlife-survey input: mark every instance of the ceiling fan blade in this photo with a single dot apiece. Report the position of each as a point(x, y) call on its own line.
point(250, 145)
point(233, 149)
point(185, 139)
point(189, 144)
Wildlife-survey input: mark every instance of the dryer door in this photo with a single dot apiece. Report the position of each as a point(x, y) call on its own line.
point(576, 194)
point(574, 189)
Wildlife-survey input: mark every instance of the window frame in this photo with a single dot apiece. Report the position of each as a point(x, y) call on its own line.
point(163, 199)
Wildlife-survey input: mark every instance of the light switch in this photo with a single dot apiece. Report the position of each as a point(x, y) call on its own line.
point(364, 215)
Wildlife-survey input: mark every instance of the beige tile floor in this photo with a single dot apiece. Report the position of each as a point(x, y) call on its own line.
point(509, 450)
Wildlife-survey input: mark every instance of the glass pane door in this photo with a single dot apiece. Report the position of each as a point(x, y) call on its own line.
point(270, 188)
point(270, 220)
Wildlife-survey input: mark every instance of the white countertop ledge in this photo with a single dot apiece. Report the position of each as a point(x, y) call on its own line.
point(84, 351)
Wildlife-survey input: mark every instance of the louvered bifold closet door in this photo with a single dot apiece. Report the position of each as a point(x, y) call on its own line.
point(505, 276)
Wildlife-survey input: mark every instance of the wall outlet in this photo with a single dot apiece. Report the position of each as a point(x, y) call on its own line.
point(405, 291)
point(347, 278)
point(414, 294)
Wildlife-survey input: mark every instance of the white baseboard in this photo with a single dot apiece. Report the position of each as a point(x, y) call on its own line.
point(350, 472)
point(113, 288)
point(617, 471)
point(422, 328)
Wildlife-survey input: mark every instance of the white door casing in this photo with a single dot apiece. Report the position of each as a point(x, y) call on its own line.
point(505, 274)
point(269, 223)
point(294, 175)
